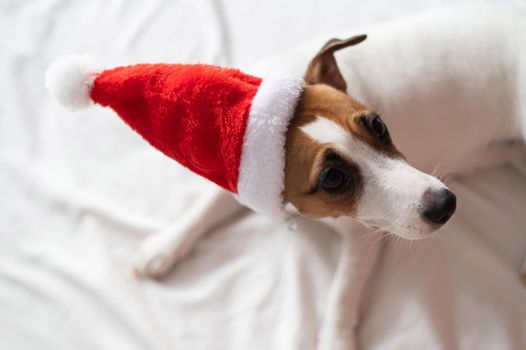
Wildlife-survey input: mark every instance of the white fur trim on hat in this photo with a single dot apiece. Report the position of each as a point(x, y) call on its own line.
point(69, 80)
point(262, 169)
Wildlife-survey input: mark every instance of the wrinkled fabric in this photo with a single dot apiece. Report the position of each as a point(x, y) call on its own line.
point(80, 191)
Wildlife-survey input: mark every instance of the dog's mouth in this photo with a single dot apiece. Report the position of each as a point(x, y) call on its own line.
point(409, 232)
point(402, 200)
point(418, 221)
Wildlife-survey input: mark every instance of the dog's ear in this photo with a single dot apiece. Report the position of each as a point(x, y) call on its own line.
point(323, 68)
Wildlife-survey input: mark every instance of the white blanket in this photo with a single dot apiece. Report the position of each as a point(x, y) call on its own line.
point(79, 191)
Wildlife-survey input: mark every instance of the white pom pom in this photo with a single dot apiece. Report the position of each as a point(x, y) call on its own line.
point(69, 80)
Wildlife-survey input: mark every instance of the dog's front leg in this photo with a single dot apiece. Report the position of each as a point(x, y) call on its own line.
point(159, 253)
point(358, 257)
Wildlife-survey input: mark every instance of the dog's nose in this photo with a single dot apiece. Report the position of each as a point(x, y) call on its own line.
point(439, 206)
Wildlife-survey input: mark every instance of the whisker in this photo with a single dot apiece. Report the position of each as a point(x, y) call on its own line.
point(381, 240)
point(435, 171)
point(448, 180)
point(370, 235)
point(364, 238)
point(448, 174)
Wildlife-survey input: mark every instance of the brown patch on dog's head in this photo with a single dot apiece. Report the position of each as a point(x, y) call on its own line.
point(313, 170)
point(309, 163)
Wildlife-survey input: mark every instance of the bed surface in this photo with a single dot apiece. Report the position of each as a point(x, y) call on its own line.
point(79, 191)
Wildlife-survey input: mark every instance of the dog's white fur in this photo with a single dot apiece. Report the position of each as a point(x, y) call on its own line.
point(448, 84)
point(393, 189)
point(451, 87)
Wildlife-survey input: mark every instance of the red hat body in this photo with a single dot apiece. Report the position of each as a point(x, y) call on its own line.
point(195, 114)
point(224, 125)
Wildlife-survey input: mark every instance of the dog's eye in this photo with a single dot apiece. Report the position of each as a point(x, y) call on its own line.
point(332, 180)
point(378, 127)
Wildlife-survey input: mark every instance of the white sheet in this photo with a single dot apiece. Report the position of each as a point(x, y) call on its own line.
point(78, 192)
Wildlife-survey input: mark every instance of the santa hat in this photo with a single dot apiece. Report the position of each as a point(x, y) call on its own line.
point(222, 124)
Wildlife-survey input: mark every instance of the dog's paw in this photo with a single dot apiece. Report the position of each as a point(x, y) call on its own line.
point(155, 258)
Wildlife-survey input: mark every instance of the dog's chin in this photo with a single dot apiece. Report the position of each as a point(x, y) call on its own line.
point(410, 232)
point(414, 233)
point(415, 236)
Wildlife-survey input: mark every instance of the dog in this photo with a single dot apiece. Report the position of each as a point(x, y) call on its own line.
point(337, 158)
point(341, 161)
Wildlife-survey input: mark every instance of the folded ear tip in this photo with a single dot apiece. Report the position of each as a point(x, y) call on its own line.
point(361, 37)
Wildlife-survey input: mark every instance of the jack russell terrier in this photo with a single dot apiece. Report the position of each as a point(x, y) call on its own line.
point(442, 111)
point(445, 90)
point(340, 162)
